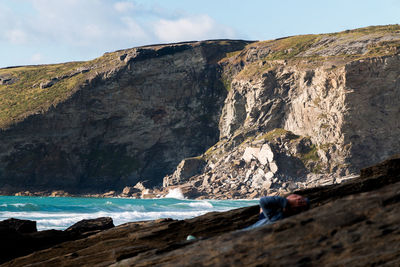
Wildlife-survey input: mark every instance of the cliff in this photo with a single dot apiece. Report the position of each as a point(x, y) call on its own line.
point(251, 118)
point(303, 111)
point(354, 223)
point(126, 117)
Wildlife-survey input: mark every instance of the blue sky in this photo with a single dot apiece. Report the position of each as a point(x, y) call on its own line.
point(52, 31)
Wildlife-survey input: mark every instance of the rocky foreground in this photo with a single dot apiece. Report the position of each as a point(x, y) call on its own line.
point(350, 224)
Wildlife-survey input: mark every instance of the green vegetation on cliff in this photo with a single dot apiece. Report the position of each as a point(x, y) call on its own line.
point(29, 90)
point(313, 49)
point(28, 93)
point(278, 132)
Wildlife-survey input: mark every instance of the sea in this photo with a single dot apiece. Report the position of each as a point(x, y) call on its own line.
point(61, 212)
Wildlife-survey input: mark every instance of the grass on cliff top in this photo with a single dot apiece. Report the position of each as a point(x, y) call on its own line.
point(394, 28)
point(293, 46)
point(25, 97)
point(290, 47)
point(293, 49)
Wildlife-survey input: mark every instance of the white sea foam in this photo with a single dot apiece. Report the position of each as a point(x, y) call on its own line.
point(60, 213)
point(19, 205)
point(63, 220)
point(201, 204)
point(22, 204)
point(130, 207)
point(175, 193)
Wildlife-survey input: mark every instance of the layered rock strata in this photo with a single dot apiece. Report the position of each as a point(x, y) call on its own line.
point(133, 119)
point(246, 118)
point(313, 113)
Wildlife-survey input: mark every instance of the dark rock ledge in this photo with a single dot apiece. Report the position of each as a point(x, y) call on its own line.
point(351, 224)
point(20, 237)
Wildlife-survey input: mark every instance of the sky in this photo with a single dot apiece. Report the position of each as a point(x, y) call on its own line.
point(54, 31)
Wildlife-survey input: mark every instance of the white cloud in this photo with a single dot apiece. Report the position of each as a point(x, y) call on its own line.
point(124, 6)
point(133, 29)
point(16, 36)
point(191, 28)
point(91, 27)
point(92, 31)
point(37, 58)
point(99, 22)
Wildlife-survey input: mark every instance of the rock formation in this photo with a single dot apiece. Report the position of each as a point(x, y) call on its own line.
point(133, 116)
point(303, 111)
point(20, 237)
point(246, 118)
point(351, 224)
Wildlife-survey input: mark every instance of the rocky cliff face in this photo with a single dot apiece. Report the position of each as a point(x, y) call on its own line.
point(302, 111)
point(274, 115)
point(131, 120)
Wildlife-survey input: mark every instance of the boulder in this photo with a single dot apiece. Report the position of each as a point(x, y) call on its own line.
point(250, 153)
point(90, 225)
point(20, 226)
point(265, 155)
point(48, 83)
point(273, 167)
point(269, 175)
point(258, 180)
point(140, 186)
point(129, 191)
point(206, 180)
point(266, 185)
point(110, 194)
point(20, 237)
point(7, 80)
point(253, 195)
point(186, 169)
point(23, 193)
point(59, 193)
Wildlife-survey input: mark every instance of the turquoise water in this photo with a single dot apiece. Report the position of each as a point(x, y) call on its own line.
point(61, 212)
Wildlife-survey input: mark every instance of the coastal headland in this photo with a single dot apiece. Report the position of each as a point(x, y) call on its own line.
point(218, 119)
point(215, 119)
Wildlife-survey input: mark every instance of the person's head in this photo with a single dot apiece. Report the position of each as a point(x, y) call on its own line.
point(297, 203)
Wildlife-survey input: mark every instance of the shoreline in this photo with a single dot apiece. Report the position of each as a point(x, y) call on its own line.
point(330, 232)
point(180, 191)
point(60, 212)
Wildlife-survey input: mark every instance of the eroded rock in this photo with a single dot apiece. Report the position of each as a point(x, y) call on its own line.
point(128, 120)
point(20, 226)
point(91, 225)
point(186, 169)
point(20, 237)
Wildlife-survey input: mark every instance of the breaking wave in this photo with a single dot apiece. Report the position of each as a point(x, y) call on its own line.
point(61, 212)
point(175, 193)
